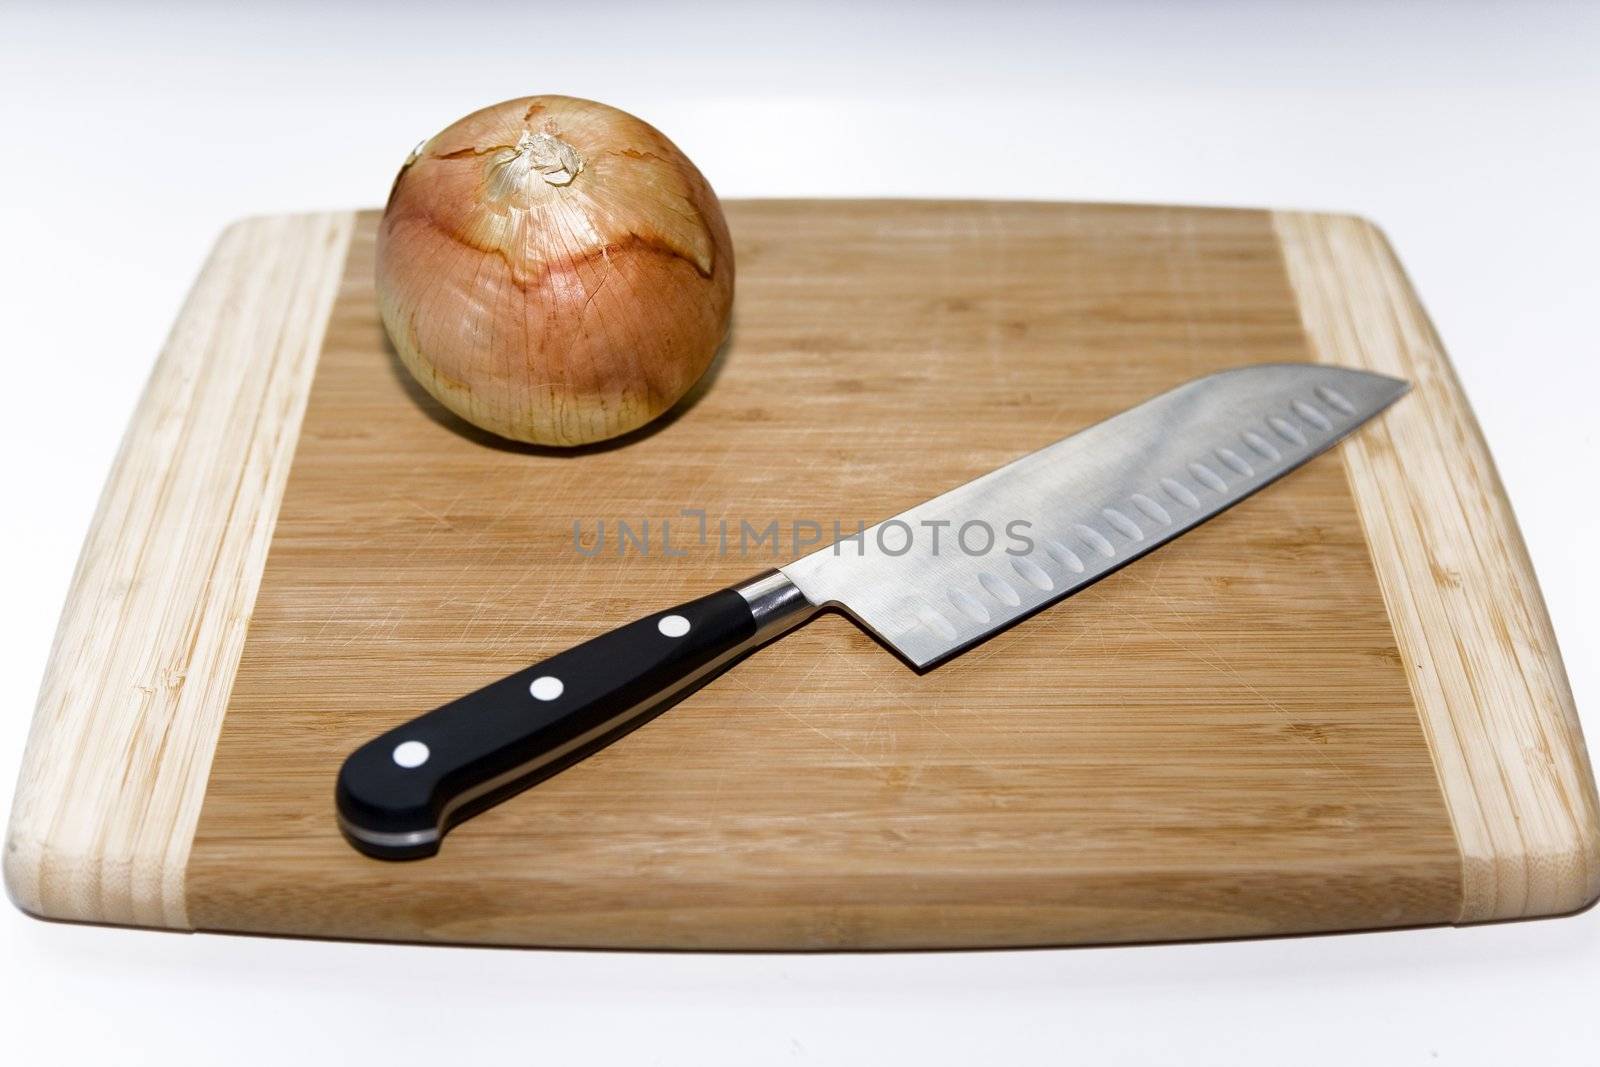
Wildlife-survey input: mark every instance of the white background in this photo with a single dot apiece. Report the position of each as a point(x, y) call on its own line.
point(132, 134)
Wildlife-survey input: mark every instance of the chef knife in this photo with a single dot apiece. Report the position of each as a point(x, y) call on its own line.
point(928, 583)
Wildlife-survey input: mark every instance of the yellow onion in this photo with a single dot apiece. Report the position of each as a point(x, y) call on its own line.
point(554, 270)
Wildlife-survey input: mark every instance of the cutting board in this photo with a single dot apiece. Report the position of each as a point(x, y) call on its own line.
point(1339, 705)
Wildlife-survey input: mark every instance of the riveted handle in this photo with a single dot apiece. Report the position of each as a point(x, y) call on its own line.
point(400, 792)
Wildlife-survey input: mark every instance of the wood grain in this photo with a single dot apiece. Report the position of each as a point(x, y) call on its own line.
point(1219, 740)
point(1461, 591)
point(144, 655)
point(1339, 705)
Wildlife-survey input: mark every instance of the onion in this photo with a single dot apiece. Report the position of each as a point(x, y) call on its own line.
point(554, 270)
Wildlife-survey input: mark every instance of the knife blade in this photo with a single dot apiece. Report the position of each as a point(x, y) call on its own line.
point(928, 583)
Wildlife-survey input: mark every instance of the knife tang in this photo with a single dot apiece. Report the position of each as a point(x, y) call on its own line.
point(400, 792)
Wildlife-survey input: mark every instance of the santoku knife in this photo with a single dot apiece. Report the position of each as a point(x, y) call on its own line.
point(1047, 525)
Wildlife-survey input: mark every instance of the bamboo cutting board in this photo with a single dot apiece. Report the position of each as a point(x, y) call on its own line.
point(1339, 705)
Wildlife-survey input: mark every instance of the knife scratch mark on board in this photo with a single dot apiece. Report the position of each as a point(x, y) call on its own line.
point(803, 686)
point(832, 740)
point(336, 612)
point(536, 609)
point(902, 704)
point(371, 629)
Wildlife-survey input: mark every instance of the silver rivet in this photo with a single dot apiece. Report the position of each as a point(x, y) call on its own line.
point(411, 754)
point(673, 625)
point(546, 687)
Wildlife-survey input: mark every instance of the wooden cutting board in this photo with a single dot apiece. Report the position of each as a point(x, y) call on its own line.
point(1339, 705)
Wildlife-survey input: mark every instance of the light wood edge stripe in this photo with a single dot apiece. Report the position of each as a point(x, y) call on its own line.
point(1455, 576)
point(145, 654)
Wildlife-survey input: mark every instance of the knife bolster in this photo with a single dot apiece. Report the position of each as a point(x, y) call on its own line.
point(776, 604)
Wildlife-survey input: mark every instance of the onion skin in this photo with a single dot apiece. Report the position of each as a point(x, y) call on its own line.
point(554, 270)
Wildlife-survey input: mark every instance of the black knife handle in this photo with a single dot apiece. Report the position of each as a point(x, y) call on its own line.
point(399, 793)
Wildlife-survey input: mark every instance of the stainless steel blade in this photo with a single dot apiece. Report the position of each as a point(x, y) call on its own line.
point(1073, 512)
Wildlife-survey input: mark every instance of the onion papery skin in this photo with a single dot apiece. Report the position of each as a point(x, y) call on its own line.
point(554, 270)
